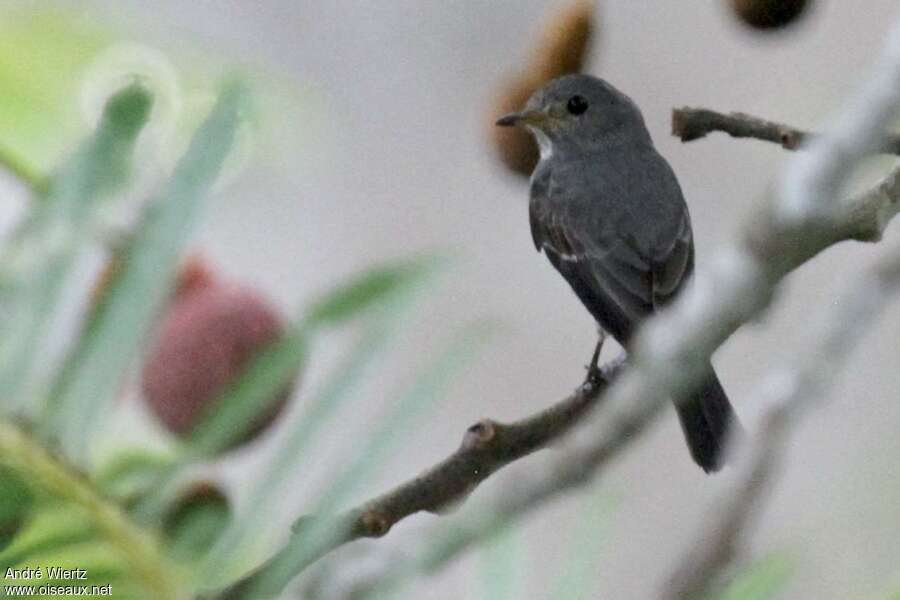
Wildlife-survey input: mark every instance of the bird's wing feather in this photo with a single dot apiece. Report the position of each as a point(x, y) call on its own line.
point(675, 265)
point(618, 281)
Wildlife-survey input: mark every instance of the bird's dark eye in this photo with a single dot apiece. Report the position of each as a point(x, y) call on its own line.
point(576, 105)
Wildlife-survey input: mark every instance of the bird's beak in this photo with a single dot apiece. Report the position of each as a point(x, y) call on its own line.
point(526, 117)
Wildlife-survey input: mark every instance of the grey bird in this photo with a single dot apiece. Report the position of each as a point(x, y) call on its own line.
point(607, 211)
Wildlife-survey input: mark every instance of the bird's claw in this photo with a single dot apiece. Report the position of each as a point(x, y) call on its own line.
point(594, 374)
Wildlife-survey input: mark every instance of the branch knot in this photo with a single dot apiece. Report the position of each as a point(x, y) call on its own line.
point(480, 435)
point(375, 524)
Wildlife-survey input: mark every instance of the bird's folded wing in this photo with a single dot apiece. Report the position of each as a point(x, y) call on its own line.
point(673, 264)
point(611, 278)
point(622, 277)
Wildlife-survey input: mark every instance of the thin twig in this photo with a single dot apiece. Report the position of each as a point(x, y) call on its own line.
point(690, 124)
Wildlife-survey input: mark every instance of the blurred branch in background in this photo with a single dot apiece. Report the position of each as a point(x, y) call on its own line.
point(791, 391)
point(691, 124)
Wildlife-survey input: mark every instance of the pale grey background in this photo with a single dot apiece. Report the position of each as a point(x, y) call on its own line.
point(399, 164)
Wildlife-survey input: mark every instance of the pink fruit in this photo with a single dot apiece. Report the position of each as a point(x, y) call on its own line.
point(209, 334)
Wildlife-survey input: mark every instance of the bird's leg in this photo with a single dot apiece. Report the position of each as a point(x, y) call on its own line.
point(593, 369)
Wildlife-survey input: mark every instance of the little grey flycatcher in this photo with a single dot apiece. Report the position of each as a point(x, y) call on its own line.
point(607, 211)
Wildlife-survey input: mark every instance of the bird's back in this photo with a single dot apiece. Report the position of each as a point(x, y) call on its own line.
point(627, 192)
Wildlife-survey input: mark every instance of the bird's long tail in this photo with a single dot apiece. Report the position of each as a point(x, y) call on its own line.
point(708, 421)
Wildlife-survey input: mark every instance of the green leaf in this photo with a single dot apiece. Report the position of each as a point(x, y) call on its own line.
point(102, 566)
point(333, 395)
point(53, 527)
point(36, 261)
point(428, 387)
point(251, 395)
point(132, 473)
point(113, 338)
point(362, 293)
point(763, 580)
point(196, 522)
point(58, 484)
point(16, 501)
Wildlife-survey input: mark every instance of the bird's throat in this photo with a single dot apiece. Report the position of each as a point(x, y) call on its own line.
point(545, 145)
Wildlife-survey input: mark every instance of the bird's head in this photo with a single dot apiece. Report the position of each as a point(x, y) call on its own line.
point(578, 112)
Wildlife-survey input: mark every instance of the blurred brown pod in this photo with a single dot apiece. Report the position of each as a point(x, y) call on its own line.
point(561, 50)
point(210, 332)
point(769, 14)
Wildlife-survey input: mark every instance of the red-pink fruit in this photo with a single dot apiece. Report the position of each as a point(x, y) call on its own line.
point(208, 336)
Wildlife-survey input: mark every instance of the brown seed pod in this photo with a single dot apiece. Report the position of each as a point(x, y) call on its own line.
point(561, 50)
point(769, 14)
point(207, 337)
point(515, 147)
point(564, 42)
